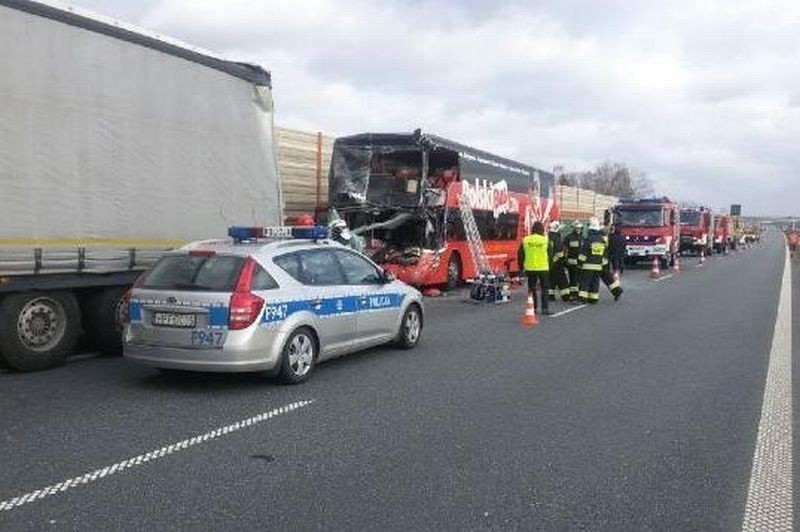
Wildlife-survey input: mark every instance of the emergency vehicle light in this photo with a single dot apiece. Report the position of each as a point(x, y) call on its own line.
point(240, 233)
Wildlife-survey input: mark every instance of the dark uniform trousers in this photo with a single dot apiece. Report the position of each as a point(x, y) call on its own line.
point(559, 284)
point(593, 259)
point(607, 275)
point(572, 245)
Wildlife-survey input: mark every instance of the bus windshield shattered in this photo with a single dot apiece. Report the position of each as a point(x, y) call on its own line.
point(401, 193)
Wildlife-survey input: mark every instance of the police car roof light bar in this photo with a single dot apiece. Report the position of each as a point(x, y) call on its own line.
point(242, 234)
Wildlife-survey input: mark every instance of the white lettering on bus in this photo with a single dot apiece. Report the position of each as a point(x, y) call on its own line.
point(483, 196)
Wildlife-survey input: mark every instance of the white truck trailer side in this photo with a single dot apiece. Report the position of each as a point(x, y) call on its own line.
point(114, 146)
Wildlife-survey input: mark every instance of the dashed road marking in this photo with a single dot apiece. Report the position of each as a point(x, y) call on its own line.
point(668, 276)
point(573, 309)
point(769, 497)
point(113, 469)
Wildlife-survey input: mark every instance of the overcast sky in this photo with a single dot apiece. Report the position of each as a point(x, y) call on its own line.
point(702, 96)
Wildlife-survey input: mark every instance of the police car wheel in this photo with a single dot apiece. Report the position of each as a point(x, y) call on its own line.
point(410, 328)
point(298, 357)
point(38, 330)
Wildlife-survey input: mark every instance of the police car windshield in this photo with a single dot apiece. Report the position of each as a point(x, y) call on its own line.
point(198, 273)
point(640, 218)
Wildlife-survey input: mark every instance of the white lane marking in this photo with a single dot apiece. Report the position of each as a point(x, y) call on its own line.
point(573, 309)
point(668, 276)
point(113, 469)
point(769, 497)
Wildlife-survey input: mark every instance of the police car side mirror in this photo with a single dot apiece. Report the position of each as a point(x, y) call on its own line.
point(388, 277)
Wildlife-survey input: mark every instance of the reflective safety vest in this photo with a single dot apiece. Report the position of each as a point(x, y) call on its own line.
point(594, 252)
point(572, 245)
point(535, 249)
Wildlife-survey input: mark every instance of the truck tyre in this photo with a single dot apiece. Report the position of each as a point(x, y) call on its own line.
point(454, 271)
point(38, 330)
point(104, 315)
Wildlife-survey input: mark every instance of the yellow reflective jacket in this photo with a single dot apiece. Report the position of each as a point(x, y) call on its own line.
point(535, 251)
point(593, 252)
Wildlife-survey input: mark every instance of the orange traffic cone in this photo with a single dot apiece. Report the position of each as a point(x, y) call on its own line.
point(530, 319)
point(655, 271)
point(677, 266)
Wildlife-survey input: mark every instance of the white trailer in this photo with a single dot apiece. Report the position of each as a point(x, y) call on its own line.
point(115, 145)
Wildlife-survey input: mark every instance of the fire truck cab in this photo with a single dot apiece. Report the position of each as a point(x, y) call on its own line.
point(651, 228)
point(723, 233)
point(697, 230)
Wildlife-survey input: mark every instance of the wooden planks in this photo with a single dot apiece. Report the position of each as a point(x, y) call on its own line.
point(298, 163)
point(578, 203)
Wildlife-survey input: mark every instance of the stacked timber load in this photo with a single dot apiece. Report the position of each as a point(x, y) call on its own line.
point(581, 204)
point(303, 162)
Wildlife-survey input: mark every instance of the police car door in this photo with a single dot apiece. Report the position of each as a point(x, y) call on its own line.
point(378, 304)
point(330, 299)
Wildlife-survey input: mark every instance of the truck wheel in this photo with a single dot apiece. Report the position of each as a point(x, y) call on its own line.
point(454, 271)
point(104, 316)
point(38, 330)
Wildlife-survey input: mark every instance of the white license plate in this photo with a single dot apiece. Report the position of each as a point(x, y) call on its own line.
point(174, 319)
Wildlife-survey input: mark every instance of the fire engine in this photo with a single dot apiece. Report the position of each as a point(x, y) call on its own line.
point(697, 230)
point(651, 228)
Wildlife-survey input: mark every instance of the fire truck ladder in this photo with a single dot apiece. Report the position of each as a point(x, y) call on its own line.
point(474, 238)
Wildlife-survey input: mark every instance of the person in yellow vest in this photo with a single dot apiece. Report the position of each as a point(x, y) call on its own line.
point(534, 257)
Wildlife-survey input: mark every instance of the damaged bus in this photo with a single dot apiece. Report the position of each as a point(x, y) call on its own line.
point(401, 193)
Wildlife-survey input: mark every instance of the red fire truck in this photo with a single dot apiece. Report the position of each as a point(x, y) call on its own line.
point(401, 192)
point(651, 228)
point(697, 230)
point(723, 233)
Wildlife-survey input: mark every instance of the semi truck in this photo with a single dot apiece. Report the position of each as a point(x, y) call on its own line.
point(115, 145)
point(697, 230)
point(651, 227)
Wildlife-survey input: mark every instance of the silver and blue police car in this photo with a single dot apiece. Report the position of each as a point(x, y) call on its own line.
point(268, 299)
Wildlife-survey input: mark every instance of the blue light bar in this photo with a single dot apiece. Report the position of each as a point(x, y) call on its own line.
point(314, 232)
point(240, 233)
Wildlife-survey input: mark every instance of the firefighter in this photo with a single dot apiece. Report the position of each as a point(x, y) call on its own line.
point(593, 255)
point(559, 285)
point(572, 248)
point(617, 248)
point(608, 276)
point(533, 255)
point(341, 233)
point(793, 238)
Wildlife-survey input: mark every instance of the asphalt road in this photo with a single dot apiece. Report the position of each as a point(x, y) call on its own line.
point(634, 415)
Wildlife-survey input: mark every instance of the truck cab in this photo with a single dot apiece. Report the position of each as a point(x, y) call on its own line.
point(651, 228)
point(697, 227)
point(723, 233)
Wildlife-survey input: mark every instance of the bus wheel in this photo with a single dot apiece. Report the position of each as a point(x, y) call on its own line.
point(38, 329)
point(454, 271)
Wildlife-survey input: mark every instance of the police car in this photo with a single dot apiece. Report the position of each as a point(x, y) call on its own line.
point(269, 299)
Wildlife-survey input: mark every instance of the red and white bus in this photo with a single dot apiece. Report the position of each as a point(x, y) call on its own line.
point(402, 191)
